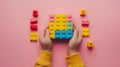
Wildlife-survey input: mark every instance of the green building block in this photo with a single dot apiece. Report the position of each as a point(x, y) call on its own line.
point(69, 25)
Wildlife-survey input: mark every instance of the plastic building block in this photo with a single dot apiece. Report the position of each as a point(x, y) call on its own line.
point(69, 26)
point(69, 34)
point(34, 27)
point(69, 19)
point(59, 27)
point(63, 34)
point(83, 12)
point(85, 32)
point(69, 16)
point(63, 26)
point(35, 13)
point(85, 23)
point(52, 34)
point(51, 19)
point(51, 26)
point(90, 44)
point(33, 20)
point(33, 36)
point(51, 16)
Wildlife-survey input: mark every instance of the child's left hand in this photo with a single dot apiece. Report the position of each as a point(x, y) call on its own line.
point(45, 41)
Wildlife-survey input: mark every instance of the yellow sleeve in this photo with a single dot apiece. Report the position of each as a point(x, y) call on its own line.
point(44, 60)
point(74, 60)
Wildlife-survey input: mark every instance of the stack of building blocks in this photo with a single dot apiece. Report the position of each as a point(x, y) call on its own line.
point(60, 26)
point(34, 26)
point(85, 24)
point(85, 28)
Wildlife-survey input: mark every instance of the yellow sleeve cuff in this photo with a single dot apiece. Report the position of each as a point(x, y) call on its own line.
point(44, 59)
point(74, 60)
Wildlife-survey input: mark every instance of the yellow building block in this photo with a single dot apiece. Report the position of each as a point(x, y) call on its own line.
point(90, 44)
point(51, 25)
point(85, 32)
point(57, 26)
point(57, 16)
point(63, 26)
point(83, 12)
point(63, 16)
point(52, 34)
point(33, 36)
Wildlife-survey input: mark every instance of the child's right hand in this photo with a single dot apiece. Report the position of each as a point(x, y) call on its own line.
point(74, 43)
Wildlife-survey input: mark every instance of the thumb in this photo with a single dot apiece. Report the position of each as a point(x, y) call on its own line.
point(47, 34)
point(75, 34)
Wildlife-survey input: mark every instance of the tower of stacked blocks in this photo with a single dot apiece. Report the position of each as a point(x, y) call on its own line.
point(34, 26)
point(60, 26)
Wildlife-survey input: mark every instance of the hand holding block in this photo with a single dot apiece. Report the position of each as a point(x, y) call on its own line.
point(90, 44)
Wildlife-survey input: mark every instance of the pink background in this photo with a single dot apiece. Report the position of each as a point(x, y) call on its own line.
point(17, 51)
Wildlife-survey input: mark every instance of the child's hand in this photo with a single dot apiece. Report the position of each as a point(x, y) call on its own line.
point(45, 41)
point(75, 42)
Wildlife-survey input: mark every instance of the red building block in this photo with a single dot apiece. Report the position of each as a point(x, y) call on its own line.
point(34, 21)
point(69, 16)
point(34, 27)
point(69, 19)
point(85, 23)
point(51, 16)
point(35, 13)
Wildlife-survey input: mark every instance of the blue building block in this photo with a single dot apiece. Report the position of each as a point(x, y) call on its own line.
point(57, 34)
point(69, 34)
point(63, 34)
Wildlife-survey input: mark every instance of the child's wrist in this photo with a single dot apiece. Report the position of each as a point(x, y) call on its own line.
point(47, 49)
point(72, 51)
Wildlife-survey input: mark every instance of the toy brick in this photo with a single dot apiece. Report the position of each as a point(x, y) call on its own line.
point(83, 12)
point(63, 16)
point(69, 19)
point(57, 16)
point(51, 19)
point(34, 27)
point(33, 36)
point(51, 16)
point(69, 26)
point(60, 28)
point(69, 34)
point(63, 34)
point(57, 20)
point(57, 34)
point(85, 32)
point(69, 16)
point(90, 44)
point(63, 26)
point(52, 34)
point(57, 26)
point(85, 23)
point(35, 13)
point(51, 25)
point(33, 20)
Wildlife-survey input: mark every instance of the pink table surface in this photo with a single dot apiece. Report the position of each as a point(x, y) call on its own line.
point(17, 51)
